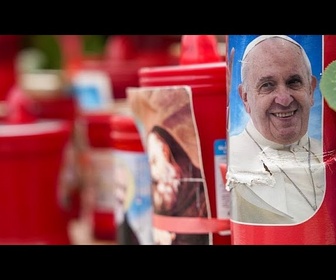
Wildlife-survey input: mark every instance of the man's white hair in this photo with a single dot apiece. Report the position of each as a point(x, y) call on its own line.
point(262, 38)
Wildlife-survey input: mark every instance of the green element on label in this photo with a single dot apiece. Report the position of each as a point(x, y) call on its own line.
point(328, 85)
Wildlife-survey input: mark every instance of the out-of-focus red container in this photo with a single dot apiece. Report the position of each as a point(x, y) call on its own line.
point(64, 107)
point(31, 156)
point(133, 206)
point(60, 108)
point(98, 128)
point(44, 95)
point(320, 228)
point(10, 45)
point(205, 73)
point(48, 94)
point(125, 135)
point(125, 55)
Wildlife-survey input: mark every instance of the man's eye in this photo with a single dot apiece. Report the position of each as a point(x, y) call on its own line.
point(295, 83)
point(266, 87)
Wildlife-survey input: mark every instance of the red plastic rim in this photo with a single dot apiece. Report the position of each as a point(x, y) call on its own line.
point(193, 75)
point(124, 134)
point(42, 136)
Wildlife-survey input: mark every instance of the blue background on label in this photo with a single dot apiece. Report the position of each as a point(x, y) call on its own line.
point(88, 97)
point(220, 147)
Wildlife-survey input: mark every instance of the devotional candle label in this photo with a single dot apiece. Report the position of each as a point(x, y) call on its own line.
point(277, 170)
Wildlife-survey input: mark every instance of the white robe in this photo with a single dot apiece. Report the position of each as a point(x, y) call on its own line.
point(260, 190)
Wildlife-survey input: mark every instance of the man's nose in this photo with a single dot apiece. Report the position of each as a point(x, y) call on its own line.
point(284, 96)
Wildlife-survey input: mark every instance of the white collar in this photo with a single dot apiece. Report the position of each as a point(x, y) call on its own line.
point(263, 142)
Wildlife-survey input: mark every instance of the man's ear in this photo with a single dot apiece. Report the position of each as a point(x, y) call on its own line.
point(313, 85)
point(243, 96)
point(241, 93)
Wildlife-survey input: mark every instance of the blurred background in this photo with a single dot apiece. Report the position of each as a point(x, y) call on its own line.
point(51, 88)
point(70, 52)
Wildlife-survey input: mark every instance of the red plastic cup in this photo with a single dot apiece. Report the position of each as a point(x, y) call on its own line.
point(31, 156)
point(319, 229)
point(98, 129)
point(124, 55)
point(10, 46)
point(205, 73)
point(133, 204)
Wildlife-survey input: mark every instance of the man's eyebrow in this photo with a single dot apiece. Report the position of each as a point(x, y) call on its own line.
point(265, 79)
